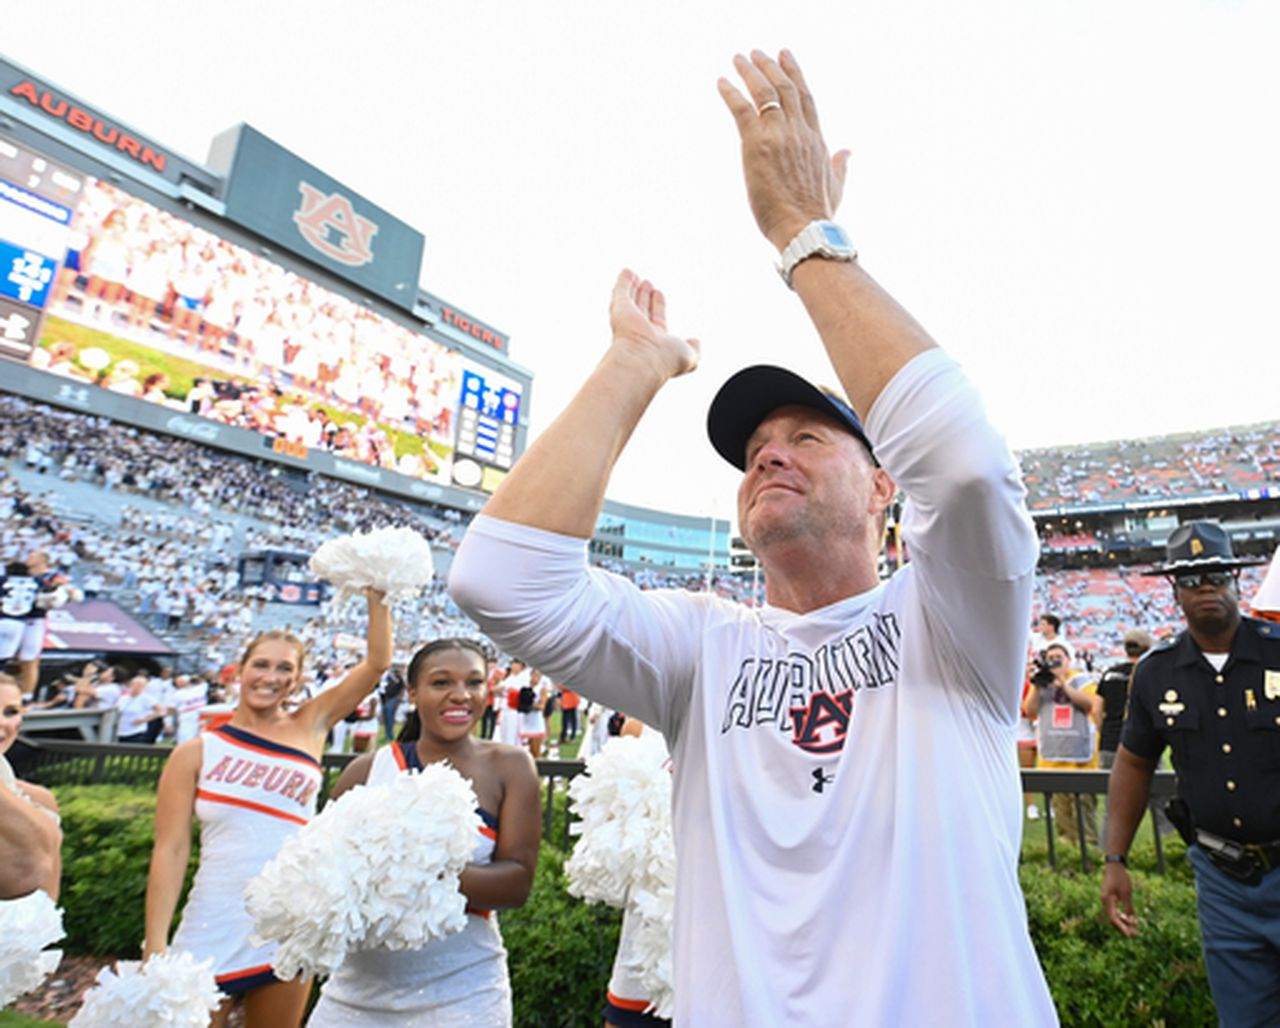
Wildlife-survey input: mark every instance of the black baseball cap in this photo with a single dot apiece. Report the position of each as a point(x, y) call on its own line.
point(754, 393)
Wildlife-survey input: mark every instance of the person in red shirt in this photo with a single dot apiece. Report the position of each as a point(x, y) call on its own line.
point(568, 715)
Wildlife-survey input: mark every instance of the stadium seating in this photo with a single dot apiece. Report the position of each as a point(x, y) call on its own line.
point(168, 517)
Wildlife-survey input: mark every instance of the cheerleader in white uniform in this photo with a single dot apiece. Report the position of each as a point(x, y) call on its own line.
point(509, 712)
point(251, 783)
point(461, 979)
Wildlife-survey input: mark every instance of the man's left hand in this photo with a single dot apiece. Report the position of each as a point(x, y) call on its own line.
point(791, 178)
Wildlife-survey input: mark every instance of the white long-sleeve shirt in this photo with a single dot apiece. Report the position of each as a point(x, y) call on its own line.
point(846, 797)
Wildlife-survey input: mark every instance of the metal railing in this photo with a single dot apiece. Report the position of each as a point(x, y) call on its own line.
point(72, 762)
point(1094, 783)
point(93, 723)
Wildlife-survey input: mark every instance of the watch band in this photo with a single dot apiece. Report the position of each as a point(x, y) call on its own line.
point(819, 238)
point(1116, 858)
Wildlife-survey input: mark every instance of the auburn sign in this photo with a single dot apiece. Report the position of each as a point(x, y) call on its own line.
point(90, 124)
point(331, 225)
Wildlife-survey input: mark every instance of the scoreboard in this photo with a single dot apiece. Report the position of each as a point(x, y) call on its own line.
point(322, 342)
point(37, 202)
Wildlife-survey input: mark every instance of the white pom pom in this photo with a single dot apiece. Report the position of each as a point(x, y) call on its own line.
point(625, 855)
point(649, 959)
point(396, 561)
point(624, 803)
point(27, 926)
point(378, 867)
point(169, 989)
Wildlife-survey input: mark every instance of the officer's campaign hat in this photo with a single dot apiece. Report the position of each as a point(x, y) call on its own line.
point(1199, 546)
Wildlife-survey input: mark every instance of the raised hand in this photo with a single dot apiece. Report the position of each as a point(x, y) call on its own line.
point(791, 178)
point(638, 317)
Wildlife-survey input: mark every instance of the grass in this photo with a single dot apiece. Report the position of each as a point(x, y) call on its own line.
point(1142, 854)
point(180, 372)
point(11, 1019)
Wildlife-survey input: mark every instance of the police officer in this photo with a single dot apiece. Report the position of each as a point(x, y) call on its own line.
point(1213, 696)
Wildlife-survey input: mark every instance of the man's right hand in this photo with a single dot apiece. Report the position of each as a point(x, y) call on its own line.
point(1117, 899)
point(638, 317)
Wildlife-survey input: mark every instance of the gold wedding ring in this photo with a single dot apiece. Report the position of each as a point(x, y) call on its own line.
point(769, 105)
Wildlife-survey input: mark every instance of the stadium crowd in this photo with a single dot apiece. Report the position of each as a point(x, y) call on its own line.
point(1191, 464)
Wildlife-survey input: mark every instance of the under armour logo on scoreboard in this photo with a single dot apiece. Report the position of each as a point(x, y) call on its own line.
point(78, 395)
point(14, 327)
point(329, 223)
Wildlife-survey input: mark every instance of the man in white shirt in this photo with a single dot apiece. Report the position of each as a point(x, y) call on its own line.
point(160, 690)
point(136, 709)
point(187, 700)
point(845, 805)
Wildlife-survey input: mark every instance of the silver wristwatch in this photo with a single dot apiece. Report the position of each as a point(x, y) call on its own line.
point(823, 239)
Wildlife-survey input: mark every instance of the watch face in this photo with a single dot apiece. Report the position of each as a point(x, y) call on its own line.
point(834, 235)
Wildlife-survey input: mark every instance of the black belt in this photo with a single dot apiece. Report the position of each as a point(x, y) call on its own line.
point(1245, 861)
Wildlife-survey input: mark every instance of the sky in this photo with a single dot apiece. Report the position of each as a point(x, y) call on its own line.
point(1077, 199)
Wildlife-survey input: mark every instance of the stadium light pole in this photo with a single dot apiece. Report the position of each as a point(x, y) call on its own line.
point(711, 549)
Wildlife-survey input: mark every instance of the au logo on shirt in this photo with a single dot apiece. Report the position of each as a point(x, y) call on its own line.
point(809, 696)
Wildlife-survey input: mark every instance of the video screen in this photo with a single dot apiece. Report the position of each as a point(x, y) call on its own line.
point(134, 299)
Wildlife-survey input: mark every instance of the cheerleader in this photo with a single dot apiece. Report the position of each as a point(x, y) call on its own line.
point(251, 783)
point(30, 833)
point(462, 978)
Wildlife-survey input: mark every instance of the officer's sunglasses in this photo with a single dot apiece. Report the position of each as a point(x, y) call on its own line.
point(1195, 579)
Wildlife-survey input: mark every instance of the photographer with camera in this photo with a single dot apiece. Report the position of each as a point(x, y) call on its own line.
point(1068, 712)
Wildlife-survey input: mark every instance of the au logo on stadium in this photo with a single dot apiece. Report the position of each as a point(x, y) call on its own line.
point(329, 223)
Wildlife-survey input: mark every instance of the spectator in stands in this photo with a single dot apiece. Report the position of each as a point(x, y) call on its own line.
point(30, 837)
point(1050, 627)
point(1213, 697)
point(97, 688)
point(1068, 711)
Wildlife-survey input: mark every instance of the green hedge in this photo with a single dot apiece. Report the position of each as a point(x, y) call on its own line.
point(106, 851)
point(1099, 977)
point(561, 950)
